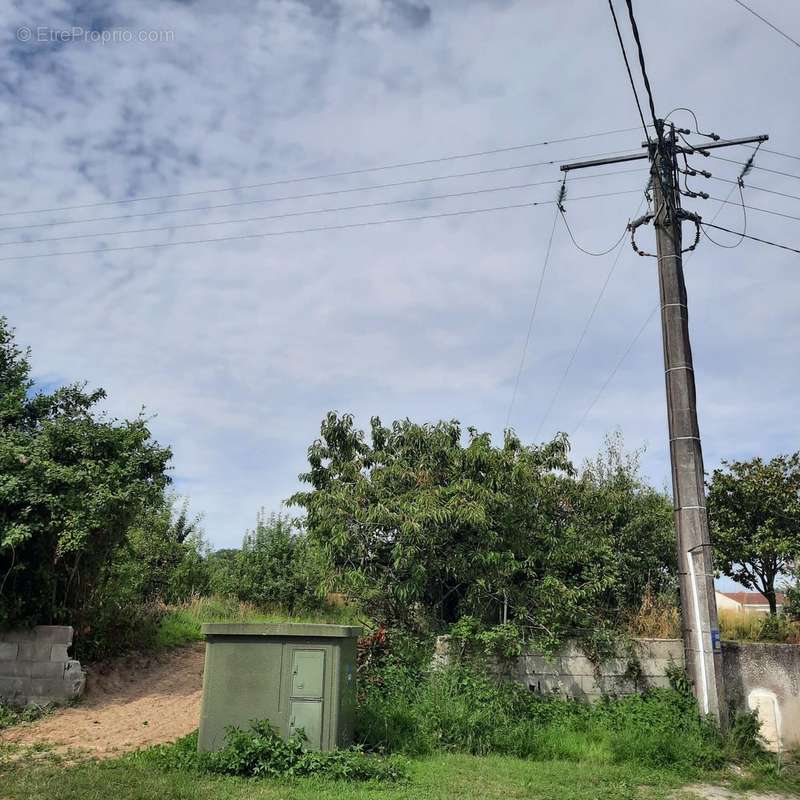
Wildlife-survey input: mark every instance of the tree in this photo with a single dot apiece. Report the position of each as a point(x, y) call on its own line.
point(754, 510)
point(273, 567)
point(619, 505)
point(71, 483)
point(422, 528)
point(164, 553)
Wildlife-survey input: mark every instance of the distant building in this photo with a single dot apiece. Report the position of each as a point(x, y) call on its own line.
point(746, 602)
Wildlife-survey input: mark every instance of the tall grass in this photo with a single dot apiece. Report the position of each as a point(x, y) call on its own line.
point(181, 623)
point(657, 618)
point(456, 709)
point(738, 626)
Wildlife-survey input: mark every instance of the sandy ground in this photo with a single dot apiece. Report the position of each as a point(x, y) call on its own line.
point(130, 704)
point(708, 792)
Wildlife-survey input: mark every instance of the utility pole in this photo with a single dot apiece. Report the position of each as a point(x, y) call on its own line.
point(701, 643)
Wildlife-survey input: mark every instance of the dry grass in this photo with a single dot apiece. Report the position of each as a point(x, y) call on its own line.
point(737, 626)
point(657, 618)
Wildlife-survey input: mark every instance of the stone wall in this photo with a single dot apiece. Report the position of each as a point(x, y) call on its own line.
point(570, 673)
point(35, 666)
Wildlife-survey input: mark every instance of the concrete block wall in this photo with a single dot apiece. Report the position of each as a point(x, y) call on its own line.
point(570, 673)
point(35, 666)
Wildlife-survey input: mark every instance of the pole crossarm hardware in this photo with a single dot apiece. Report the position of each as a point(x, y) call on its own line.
point(695, 567)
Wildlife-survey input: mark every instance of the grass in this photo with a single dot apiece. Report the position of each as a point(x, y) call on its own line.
point(737, 626)
point(180, 624)
point(441, 777)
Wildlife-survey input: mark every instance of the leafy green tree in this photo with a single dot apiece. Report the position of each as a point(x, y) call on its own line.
point(71, 483)
point(165, 554)
point(618, 505)
point(754, 510)
point(272, 568)
point(423, 528)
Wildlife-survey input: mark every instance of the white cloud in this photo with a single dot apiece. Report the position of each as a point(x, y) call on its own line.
point(241, 347)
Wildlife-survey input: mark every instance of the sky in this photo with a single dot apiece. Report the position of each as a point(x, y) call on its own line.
point(237, 349)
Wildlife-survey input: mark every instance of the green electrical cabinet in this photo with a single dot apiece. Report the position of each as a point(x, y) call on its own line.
point(297, 676)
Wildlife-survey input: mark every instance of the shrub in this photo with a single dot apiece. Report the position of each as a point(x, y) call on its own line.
point(261, 753)
point(461, 709)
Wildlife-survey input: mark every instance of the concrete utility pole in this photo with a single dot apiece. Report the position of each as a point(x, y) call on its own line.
point(701, 643)
point(695, 564)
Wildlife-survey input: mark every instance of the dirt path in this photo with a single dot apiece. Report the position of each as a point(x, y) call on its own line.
point(134, 703)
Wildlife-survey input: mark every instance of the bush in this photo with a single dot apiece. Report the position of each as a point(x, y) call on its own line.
point(460, 709)
point(118, 626)
point(261, 753)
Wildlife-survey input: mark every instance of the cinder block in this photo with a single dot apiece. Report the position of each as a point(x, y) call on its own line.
point(8, 651)
point(18, 636)
point(660, 649)
point(47, 669)
point(655, 666)
point(539, 665)
point(12, 688)
point(34, 651)
point(58, 652)
point(614, 667)
point(54, 634)
point(577, 665)
point(16, 669)
point(50, 688)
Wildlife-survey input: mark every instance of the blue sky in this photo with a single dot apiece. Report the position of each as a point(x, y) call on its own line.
point(239, 348)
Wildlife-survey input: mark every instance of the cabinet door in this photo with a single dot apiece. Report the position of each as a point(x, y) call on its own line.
point(306, 715)
point(308, 673)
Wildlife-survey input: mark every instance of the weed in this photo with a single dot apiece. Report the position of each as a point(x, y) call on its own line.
point(261, 753)
point(10, 715)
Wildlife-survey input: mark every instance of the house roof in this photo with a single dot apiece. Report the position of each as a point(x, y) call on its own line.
point(752, 598)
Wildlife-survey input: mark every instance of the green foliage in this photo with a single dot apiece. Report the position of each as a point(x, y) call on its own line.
point(11, 715)
point(274, 567)
point(460, 709)
point(421, 528)
point(791, 602)
point(617, 505)
point(504, 641)
point(754, 511)
point(71, 483)
point(260, 752)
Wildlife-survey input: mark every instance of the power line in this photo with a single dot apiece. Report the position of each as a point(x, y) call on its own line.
point(648, 88)
point(767, 22)
point(634, 340)
point(755, 166)
point(532, 318)
point(615, 370)
point(424, 198)
point(756, 208)
point(346, 173)
point(307, 196)
point(628, 68)
point(777, 153)
point(590, 252)
point(746, 236)
point(346, 226)
point(582, 336)
point(758, 188)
